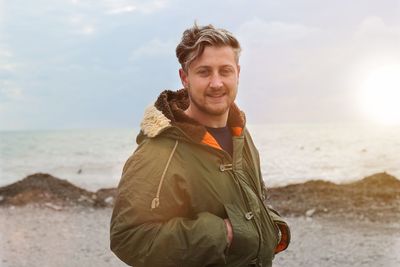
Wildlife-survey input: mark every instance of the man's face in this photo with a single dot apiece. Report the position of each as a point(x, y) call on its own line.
point(212, 81)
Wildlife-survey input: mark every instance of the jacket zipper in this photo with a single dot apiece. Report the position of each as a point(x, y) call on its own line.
point(260, 199)
point(243, 196)
point(246, 203)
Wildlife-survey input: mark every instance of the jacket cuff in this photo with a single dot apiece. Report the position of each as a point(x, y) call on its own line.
point(285, 237)
point(284, 229)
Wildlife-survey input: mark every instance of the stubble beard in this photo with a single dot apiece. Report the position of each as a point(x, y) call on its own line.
point(206, 109)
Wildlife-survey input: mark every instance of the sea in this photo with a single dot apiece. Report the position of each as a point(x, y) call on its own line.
point(289, 153)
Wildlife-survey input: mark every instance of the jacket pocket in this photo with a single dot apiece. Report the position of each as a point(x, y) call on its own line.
point(283, 227)
point(245, 235)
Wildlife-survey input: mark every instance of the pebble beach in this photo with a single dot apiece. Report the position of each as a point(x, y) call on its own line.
point(37, 236)
point(45, 221)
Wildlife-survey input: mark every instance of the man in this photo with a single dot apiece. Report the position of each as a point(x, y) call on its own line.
point(192, 193)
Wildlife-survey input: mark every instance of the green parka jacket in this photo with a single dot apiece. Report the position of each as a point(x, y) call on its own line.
point(179, 185)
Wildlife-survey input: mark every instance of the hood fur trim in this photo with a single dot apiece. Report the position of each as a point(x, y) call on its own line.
point(169, 109)
point(154, 122)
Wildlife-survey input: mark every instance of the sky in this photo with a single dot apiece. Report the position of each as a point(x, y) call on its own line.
point(71, 64)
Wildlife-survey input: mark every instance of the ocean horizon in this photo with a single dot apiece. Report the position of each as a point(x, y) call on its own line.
point(289, 153)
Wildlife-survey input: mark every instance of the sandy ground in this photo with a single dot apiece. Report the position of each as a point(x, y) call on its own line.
point(78, 236)
point(34, 236)
point(334, 242)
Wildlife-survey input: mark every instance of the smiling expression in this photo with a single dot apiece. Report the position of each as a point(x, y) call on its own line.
point(212, 82)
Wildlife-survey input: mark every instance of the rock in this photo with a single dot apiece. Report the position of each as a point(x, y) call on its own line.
point(310, 213)
point(1, 198)
point(109, 201)
point(106, 196)
point(53, 206)
point(83, 198)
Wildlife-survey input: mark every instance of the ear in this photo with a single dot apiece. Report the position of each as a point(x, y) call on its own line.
point(238, 74)
point(184, 78)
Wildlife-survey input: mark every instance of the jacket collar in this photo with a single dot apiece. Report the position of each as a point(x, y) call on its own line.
point(168, 111)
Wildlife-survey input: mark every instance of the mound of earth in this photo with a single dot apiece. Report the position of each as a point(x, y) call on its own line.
point(42, 188)
point(376, 197)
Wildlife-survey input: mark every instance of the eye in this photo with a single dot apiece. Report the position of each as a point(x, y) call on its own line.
point(203, 72)
point(226, 71)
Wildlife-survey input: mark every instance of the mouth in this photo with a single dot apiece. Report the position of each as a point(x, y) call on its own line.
point(216, 99)
point(216, 95)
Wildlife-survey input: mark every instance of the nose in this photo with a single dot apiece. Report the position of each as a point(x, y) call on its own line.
point(216, 81)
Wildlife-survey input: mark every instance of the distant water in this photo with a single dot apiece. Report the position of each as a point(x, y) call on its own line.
point(290, 153)
point(99, 154)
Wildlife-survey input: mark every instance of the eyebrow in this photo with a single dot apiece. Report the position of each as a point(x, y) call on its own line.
point(208, 67)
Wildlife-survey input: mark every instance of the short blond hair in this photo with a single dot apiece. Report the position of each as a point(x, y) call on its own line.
point(196, 38)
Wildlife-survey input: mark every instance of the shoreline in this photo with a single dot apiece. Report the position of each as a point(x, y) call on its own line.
point(376, 197)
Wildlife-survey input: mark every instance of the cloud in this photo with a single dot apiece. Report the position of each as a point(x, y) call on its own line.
point(375, 25)
point(374, 33)
point(154, 48)
point(295, 67)
point(374, 43)
point(5, 53)
point(123, 9)
point(87, 18)
point(153, 6)
point(88, 29)
point(277, 50)
point(82, 24)
point(10, 92)
point(7, 67)
point(295, 55)
point(261, 32)
point(118, 7)
point(2, 13)
point(8, 64)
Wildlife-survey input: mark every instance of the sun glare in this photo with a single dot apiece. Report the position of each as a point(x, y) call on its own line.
point(380, 95)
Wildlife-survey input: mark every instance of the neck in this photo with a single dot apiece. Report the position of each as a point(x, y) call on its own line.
point(208, 120)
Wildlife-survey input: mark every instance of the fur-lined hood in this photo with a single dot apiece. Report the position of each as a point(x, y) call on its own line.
point(168, 111)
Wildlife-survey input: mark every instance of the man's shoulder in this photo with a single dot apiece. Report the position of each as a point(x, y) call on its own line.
point(249, 140)
point(247, 134)
point(155, 146)
point(151, 153)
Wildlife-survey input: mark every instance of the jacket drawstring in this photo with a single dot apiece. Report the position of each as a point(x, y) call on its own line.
point(156, 201)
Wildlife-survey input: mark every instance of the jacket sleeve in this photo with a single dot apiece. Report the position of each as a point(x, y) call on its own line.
point(167, 235)
point(283, 228)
